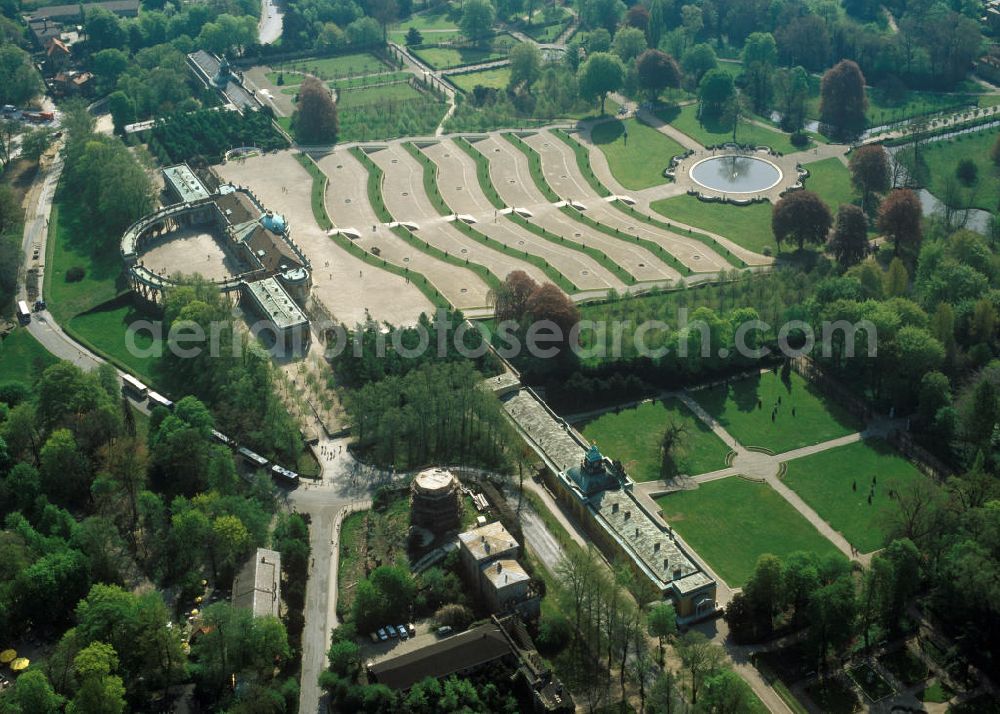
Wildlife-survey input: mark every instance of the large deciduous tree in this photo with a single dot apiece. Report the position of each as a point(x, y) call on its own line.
point(525, 65)
point(548, 302)
point(21, 81)
point(477, 20)
point(603, 72)
point(899, 221)
point(510, 298)
point(629, 43)
point(315, 120)
point(759, 57)
point(801, 216)
point(716, 91)
point(843, 101)
point(793, 90)
point(656, 71)
point(870, 173)
point(849, 242)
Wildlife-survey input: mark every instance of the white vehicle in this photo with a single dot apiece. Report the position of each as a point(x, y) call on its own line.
point(132, 387)
point(23, 313)
point(158, 400)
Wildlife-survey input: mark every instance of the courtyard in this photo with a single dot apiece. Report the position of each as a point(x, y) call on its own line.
point(192, 252)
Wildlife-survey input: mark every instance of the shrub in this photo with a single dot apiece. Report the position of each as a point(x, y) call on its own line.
point(75, 274)
point(967, 171)
point(554, 634)
point(413, 37)
point(799, 140)
point(457, 617)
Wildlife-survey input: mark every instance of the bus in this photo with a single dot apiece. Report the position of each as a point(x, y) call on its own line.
point(132, 387)
point(158, 400)
point(23, 313)
point(284, 476)
point(222, 438)
point(252, 458)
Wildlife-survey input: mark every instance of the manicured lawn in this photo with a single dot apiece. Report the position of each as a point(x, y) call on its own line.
point(430, 20)
point(22, 358)
point(936, 693)
point(546, 33)
point(732, 522)
point(374, 95)
point(633, 436)
point(445, 57)
point(457, 56)
point(638, 157)
point(334, 67)
point(367, 80)
point(748, 226)
point(837, 484)
point(832, 181)
point(943, 156)
point(744, 408)
point(68, 247)
point(105, 328)
point(399, 36)
point(714, 131)
point(494, 78)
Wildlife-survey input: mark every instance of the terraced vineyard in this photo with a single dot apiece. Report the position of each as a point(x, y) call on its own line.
point(453, 216)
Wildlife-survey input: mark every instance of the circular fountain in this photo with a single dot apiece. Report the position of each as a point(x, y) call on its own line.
point(734, 173)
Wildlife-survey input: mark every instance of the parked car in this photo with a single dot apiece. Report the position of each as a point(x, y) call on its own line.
point(391, 630)
point(382, 635)
point(374, 637)
point(444, 630)
point(403, 634)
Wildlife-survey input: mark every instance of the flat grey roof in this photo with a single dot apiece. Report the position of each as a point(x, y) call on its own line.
point(275, 302)
point(257, 587)
point(184, 183)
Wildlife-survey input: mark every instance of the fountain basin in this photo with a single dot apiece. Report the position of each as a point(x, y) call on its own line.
point(734, 173)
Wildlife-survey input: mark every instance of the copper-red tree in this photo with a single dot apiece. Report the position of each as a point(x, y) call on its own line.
point(801, 216)
point(315, 119)
point(870, 174)
point(843, 101)
point(899, 221)
point(510, 298)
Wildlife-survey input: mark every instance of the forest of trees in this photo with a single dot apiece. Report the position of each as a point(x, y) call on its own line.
point(96, 498)
point(436, 413)
point(202, 138)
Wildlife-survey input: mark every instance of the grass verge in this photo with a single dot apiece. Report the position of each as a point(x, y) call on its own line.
point(22, 358)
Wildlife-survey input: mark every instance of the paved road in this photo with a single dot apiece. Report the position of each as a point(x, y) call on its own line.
point(271, 22)
point(326, 502)
point(42, 326)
